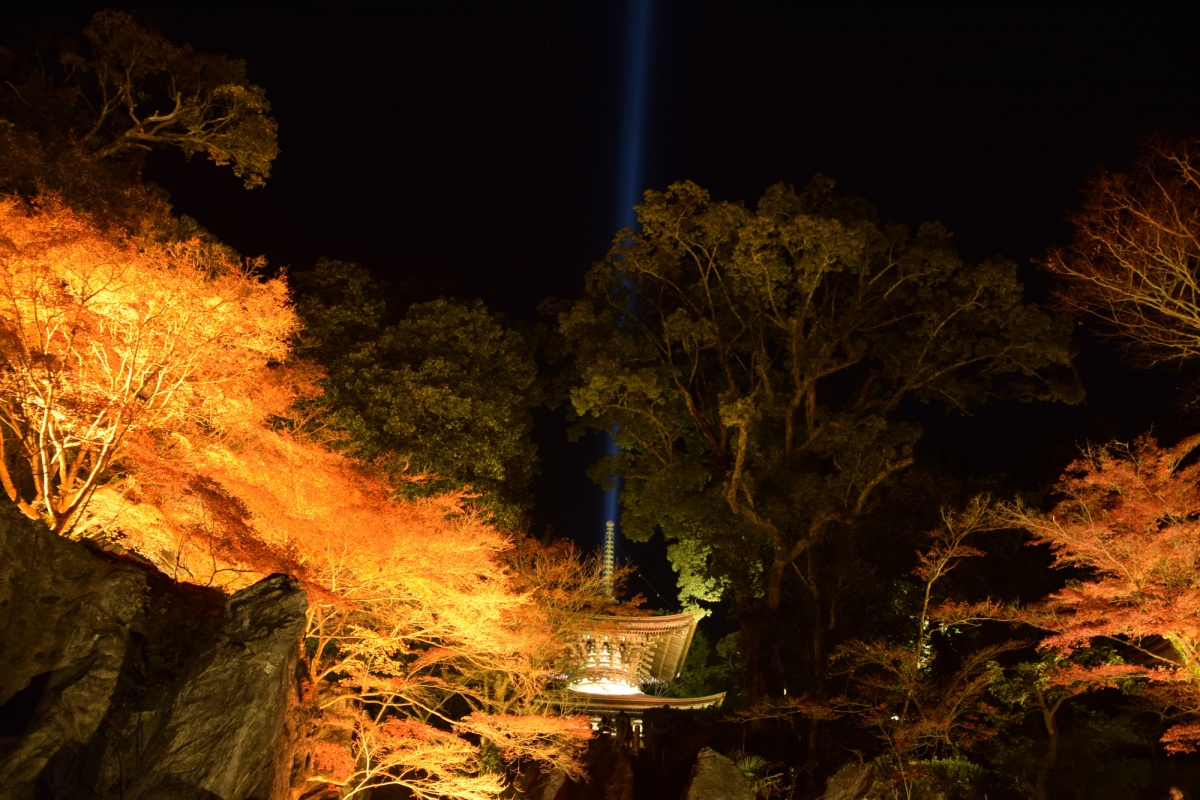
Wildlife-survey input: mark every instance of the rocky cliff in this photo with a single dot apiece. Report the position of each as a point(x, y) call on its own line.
point(116, 682)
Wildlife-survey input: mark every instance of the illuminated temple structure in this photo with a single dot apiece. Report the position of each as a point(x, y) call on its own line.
point(620, 657)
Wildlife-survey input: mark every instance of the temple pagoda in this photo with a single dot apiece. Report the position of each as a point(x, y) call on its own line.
point(619, 658)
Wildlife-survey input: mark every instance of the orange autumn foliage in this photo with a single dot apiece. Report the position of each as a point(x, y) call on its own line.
point(412, 617)
point(101, 337)
point(1129, 516)
point(427, 761)
point(415, 621)
point(1133, 261)
point(143, 404)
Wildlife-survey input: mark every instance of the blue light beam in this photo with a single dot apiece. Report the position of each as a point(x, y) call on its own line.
point(638, 17)
point(633, 108)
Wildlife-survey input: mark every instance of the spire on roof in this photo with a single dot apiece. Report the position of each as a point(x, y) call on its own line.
point(609, 536)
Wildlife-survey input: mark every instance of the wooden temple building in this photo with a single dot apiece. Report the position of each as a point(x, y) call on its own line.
point(619, 658)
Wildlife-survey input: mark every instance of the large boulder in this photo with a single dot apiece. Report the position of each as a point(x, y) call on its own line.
point(851, 782)
point(116, 682)
point(618, 783)
point(65, 619)
point(547, 785)
point(715, 777)
point(220, 735)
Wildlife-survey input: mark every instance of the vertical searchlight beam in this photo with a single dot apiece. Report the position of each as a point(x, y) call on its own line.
point(638, 16)
point(633, 108)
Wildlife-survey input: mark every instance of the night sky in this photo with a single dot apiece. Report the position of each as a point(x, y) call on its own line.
point(474, 148)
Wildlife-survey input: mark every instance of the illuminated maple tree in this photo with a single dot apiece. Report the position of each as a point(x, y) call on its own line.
point(920, 705)
point(420, 649)
point(1128, 518)
point(135, 381)
point(101, 337)
point(433, 644)
point(147, 400)
point(1136, 252)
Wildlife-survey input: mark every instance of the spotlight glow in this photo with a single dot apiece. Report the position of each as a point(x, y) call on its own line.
point(638, 14)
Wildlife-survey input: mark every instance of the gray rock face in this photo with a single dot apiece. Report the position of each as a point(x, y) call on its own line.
point(715, 777)
point(611, 776)
point(851, 782)
point(121, 684)
point(548, 786)
point(65, 621)
point(220, 735)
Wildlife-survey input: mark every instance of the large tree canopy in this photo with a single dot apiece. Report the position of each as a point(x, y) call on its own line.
point(1135, 258)
point(447, 390)
point(755, 366)
point(142, 91)
point(78, 122)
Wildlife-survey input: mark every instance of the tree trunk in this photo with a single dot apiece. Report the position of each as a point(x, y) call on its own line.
point(811, 757)
point(1040, 790)
point(817, 644)
point(763, 662)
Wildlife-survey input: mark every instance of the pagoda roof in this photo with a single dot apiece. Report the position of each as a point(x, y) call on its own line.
point(655, 646)
point(619, 655)
point(639, 703)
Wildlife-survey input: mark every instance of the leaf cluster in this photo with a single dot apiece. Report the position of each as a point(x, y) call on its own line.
point(753, 363)
point(101, 337)
point(1127, 518)
point(78, 122)
point(447, 390)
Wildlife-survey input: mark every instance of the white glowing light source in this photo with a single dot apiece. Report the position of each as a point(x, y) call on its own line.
point(606, 686)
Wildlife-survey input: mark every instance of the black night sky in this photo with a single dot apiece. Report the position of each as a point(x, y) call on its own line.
point(473, 148)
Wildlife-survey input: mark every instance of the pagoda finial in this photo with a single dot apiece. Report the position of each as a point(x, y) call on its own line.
point(609, 536)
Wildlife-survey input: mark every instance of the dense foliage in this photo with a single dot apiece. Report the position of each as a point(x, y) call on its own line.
point(77, 120)
point(149, 402)
point(102, 338)
point(136, 383)
point(447, 390)
point(1128, 517)
point(755, 366)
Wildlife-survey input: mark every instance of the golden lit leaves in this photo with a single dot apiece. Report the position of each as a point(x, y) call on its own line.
point(544, 739)
point(429, 762)
point(102, 337)
point(412, 614)
point(420, 613)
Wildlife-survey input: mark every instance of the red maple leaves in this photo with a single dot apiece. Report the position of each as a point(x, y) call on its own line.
point(1129, 521)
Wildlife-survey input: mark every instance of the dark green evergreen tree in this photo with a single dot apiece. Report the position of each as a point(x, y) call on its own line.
point(447, 390)
point(758, 366)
